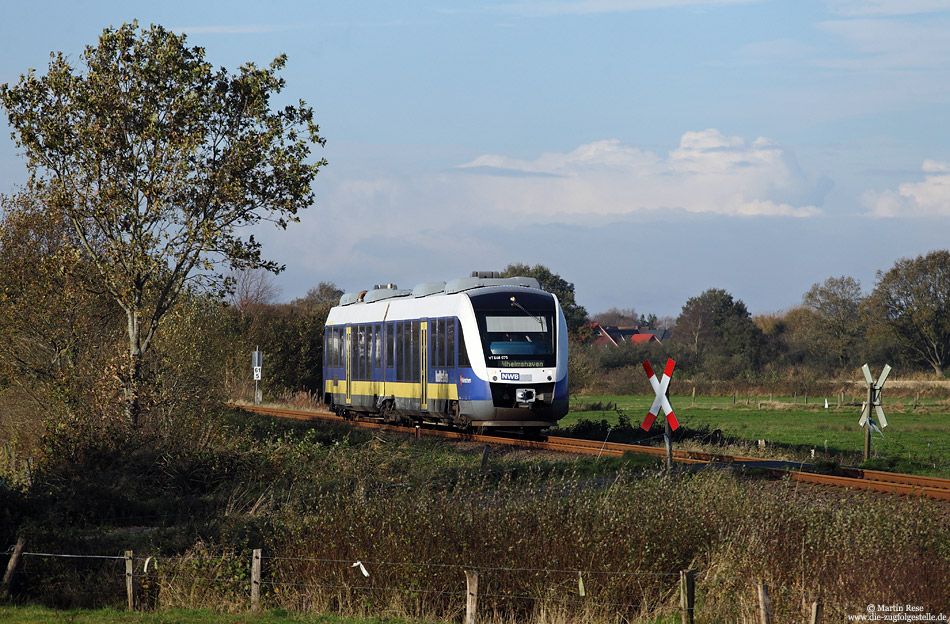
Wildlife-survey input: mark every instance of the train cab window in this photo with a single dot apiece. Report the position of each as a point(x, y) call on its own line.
point(516, 331)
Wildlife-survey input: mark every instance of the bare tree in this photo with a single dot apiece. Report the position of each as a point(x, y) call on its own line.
point(253, 288)
point(625, 317)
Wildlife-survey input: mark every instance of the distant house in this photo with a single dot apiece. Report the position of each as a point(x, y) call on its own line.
point(612, 336)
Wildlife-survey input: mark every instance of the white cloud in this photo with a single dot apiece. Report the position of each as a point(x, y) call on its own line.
point(391, 222)
point(708, 173)
point(930, 198)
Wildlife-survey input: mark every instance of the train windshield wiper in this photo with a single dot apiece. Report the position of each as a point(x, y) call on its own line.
point(539, 319)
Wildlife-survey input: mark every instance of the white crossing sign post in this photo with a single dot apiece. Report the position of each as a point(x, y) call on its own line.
point(873, 402)
point(257, 366)
point(662, 401)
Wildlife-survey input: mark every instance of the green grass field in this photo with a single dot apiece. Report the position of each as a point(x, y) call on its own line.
point(915, 440)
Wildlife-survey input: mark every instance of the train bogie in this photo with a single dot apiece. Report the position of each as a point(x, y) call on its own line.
point(478, 352)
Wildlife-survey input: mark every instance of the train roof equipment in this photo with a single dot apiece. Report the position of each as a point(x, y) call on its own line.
point(478, 279)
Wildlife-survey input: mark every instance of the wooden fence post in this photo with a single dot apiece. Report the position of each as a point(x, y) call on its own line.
point(687, 594)
point(129, 578)
point(816, 609)
point(12, 566)
point(471, 601)
point(256, 580)
point(765, 609)
point(485, 457)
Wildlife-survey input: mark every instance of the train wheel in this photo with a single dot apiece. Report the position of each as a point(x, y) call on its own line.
point(389, 414)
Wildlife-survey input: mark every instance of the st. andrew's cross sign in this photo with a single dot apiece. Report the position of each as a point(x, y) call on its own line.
point(661, 400)
point(873, 402)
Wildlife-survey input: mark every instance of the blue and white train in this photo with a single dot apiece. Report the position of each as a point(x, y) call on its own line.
point(473, 353)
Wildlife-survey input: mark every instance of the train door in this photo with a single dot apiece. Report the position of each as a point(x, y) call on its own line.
point(424, 363)
point(348, 356)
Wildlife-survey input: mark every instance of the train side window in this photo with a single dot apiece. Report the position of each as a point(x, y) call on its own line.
point(406, 351)
point(335, 352)
point(434, 360)
point(354, 371)
point(341, 346)
point(390, 344)
point(450, 342)
point(357, 365)
point(364, 351)
point(400, 352)
point(370, 344)
point(378, 345)
point(464, 362)
point(415, 360)
point(441, 344)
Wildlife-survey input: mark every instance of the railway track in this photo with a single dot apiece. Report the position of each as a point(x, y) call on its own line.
point(852, 478)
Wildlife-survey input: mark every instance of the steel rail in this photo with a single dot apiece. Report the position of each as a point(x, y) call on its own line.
point(853, 478)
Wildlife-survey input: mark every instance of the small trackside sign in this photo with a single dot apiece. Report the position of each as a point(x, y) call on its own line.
point(511, 376)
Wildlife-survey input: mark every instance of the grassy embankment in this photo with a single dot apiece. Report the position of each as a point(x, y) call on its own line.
point(417, 513)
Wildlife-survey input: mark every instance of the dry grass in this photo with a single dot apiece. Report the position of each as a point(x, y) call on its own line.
point(417, 514)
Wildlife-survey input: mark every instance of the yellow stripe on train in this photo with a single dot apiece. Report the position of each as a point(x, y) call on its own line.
point(400, 389)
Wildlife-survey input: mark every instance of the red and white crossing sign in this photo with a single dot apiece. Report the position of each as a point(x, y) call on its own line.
point(661, 401)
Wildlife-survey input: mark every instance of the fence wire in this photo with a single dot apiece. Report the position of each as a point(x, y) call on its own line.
point(656, 606)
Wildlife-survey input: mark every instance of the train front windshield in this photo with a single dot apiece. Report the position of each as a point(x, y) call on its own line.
point(517, 330)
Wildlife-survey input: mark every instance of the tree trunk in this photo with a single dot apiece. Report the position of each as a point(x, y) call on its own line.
point(132, 381)
point(133, 375)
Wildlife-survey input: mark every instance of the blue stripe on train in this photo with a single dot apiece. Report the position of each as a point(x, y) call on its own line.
point(471, 388)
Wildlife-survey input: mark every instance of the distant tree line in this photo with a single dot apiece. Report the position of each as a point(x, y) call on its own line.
point(903, 321)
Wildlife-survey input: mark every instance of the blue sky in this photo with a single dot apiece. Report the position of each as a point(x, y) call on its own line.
point(645, 150)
